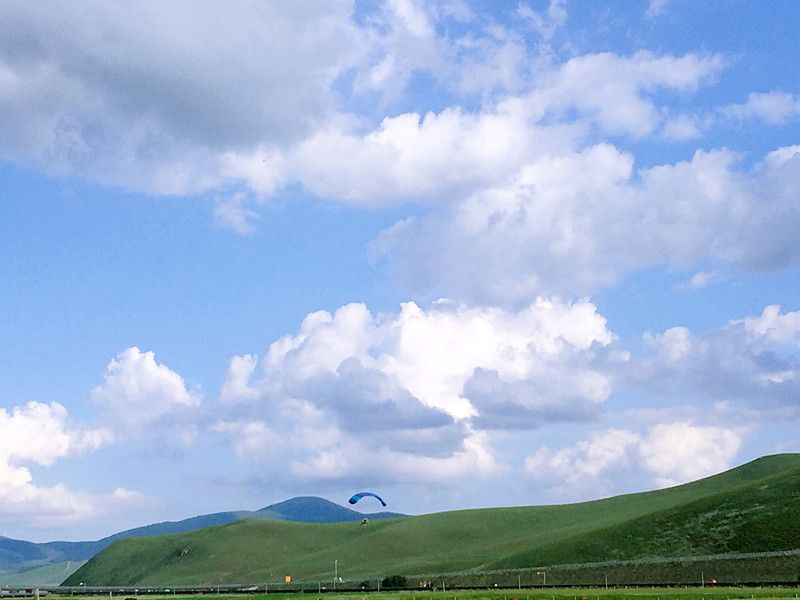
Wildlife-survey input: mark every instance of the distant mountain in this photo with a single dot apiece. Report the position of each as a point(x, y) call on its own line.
point(311, 509)
point(18, 556)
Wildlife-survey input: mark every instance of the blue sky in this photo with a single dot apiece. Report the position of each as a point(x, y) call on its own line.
point(460, 253)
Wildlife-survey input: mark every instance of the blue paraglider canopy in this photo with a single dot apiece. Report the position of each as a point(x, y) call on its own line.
point(360, 495)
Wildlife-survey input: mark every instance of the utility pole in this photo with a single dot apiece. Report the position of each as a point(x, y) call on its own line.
point(335, 573)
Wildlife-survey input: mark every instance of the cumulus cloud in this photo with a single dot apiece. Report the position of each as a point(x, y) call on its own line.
point(145, 97)
point(680, 452)
point(618, 93)
point(667, 454)
point(106, 94)
point(153, 96)
point(447, 155)
point(140, 395)
point(417, 387)
point(712, 389)
point(431, 157)
point(40, 434)
point(528, 403)
point(750, 362)
point(586, 459)
point(575, 223)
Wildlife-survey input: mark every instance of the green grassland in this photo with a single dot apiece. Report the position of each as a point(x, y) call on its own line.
point(762, 568)
point(695, 593)
point(753, 508)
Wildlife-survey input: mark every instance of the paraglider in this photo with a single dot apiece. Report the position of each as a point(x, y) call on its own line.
point(360, 495)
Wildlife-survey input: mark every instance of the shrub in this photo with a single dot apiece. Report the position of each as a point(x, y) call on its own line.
point(394, 582)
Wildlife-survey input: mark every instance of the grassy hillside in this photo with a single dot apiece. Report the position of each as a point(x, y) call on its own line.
point(18, 555)
point(753, 507)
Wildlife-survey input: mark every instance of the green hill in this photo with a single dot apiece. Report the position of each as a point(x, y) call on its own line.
point(19, 556)
point(750, 508)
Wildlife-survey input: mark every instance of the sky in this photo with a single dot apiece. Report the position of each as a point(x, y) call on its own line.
point(461, 254)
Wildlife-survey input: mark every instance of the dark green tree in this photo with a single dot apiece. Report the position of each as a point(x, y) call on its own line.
point(394, 582)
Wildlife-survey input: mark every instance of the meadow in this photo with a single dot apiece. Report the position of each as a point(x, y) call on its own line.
point(639, 593)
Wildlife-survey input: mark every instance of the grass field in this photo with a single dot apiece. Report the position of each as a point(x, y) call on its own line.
point(696, 593)
point(749, 509)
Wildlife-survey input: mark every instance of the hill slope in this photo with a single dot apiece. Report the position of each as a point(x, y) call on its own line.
point(19, 557)
point(753, 507)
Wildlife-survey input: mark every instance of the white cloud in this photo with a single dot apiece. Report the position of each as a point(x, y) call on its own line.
point(710, 391)
point(682, 128)
point(153, 96)
point(750, 362)
point(680, 452)
point(410, 43)
point(414, 388)
point(574, 223)
point(432, 353)
point(656, 8)
point(472, 459)
point(774, 327)
point(617, 93)
point(41, 434)
point(667, 454)
point(484, 59)
point(414, 157)
point(249, 438)
point(140, 396)
point(545, 24)
point(700, 280)
point(775, 108)
point(587, 459)
point(230, 213)
point(785, 155)
point(146, 98)
point(237, 381)
point(446, 155)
